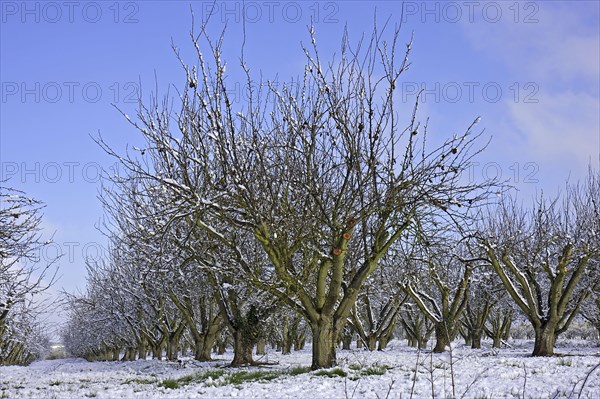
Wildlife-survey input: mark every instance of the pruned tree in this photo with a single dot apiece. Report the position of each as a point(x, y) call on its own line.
point(417, 327)
point(304, 170)
point(547, 256)
point(377, 307)
point(485, 292)
point(438, 283)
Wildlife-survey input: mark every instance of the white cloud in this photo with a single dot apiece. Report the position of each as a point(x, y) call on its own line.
point(561, 55)
point(562, 127)
point(564, 45)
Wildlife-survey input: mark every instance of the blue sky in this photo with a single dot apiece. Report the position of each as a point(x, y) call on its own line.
point(529, 69)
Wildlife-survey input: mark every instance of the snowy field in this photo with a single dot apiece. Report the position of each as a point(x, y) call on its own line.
point(508, 373)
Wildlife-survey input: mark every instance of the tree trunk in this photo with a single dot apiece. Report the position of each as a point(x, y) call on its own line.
point(347, 335)
point(497, 341)
point(506, 328)
point(184, 349)
point(476, 339)
point(208, 341)
point(204, 343)
point(129, 354)
point(299, 342)
point(157, 352)
point(242, 350)
point(346, 341)
point(545, 337)
point(286, 348)
point(286, 345)
point(323, 345)
point(261, 346)
point(371, 342)
point(172, 347)
point(199, 351)
point(142, 350)
point(221, 347)
point(442, 340)
point(382, 343)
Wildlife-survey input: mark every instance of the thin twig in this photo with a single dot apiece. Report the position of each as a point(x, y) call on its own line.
point(412, 389)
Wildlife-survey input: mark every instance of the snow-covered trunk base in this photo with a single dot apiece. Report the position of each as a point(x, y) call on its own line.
point(324, 341)
point(414, 343)
point(442, 340)
point(545, 337)
point(203, 346)
point(242, 350)
point(468, 339)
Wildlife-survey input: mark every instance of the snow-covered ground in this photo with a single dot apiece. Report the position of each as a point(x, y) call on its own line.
point(508, 373)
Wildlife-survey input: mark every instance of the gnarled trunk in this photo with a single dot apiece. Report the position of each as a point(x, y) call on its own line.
point(242, 349)
point(204, 343)
point(545, 337)
point(173, 347)
point(442, 338)
point(324, 341)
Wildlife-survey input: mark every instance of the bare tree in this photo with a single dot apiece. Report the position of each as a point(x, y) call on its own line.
point(547, 256)
point(375, 313)
point(439, 285)
point(591, 312)
point(418, 328)
point(485, 292)
point(315, 171)
point(24, 273)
